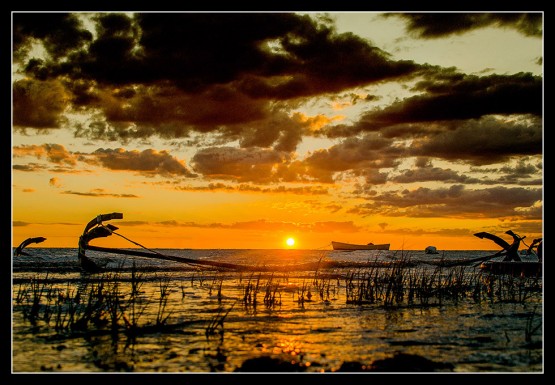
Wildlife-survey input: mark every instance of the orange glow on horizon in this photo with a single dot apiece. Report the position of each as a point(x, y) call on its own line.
point(183, 237)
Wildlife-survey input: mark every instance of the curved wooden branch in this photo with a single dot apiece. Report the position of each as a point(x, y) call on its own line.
point(500, 241)
point(95, 229)
point(25, 243)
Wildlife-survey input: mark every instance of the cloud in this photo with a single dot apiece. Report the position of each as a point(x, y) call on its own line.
point(239, 164)
point(134, 223)
point(264, 225)
point(30, 167)
point(274, 56)
point(433, 174)
point(522, 174)
point(485, 141)
point(490, 139)
point(54, 153)
point(144, 110)
point(218, 187)
point(169, 74)
point(371, 149)
point(61, 32)
point(454, 202)
point(441, 25)
point(96, 193)
point(455, 97)
point(524, 167)
point(147, 162)
point(372, 176)
point(39, 104)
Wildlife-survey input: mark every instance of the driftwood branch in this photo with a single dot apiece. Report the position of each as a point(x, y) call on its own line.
point(25, 243)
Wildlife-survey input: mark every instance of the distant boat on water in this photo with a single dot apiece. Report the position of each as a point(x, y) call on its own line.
point(431, 250)
point(351, 246)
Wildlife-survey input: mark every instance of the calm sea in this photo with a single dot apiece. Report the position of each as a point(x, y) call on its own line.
point(154, 315)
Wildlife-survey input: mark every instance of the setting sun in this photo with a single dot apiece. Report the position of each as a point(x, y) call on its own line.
point(290, 242)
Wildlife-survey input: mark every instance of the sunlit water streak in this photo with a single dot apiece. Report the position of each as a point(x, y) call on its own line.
point(321, 333)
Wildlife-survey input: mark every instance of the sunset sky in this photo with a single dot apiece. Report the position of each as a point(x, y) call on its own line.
point(241, 130)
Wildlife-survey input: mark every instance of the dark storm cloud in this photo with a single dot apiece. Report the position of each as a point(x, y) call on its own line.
point(455, 111)
point(167, 74)
point(282, 55)
point(454, 97)
point(456, 202)
point(238, 76)
point(174, 74)
point(61, 33)
point(196, 50)
point(169, 112)
point(439, 25)
point(485, 141)
point(38, 104)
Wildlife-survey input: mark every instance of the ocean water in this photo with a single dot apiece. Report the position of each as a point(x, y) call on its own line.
point(306, 310)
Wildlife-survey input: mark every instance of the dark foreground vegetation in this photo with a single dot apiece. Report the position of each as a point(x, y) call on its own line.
point(117, 304)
